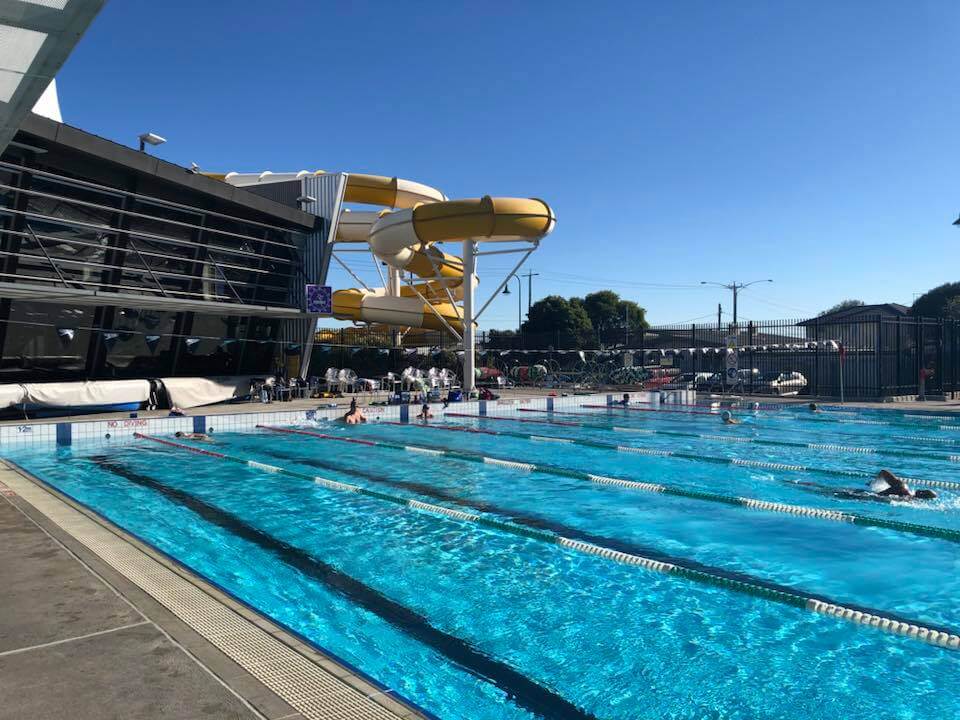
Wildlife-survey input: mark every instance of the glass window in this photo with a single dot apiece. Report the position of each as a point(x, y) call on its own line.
point(143, 345)
point(45, 342)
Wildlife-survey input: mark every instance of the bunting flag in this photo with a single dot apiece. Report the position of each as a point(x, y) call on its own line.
point(66, 335)
point(152, 342)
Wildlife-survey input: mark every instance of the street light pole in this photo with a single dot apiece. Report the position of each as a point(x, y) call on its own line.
point(735, 287)
point(506, 291)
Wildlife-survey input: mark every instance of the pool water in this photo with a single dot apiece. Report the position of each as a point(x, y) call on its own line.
point(469, 621)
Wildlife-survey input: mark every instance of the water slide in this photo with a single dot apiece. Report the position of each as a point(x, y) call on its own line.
point(404, 235)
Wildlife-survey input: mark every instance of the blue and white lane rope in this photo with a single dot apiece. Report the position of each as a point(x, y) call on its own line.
point(696, 457)
point(751, 503)
point(947, 638)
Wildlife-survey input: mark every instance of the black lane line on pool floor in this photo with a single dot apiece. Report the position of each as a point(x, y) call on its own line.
point(922, 454)
point(686, 456)
point(523, 691)
point(948, 534)
point(922, 633)
point(570, 531)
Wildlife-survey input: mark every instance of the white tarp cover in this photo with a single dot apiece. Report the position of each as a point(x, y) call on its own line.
point(11, 395)
point(81, 394)
point(188, 392)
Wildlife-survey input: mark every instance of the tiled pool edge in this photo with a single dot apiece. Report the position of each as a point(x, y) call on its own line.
point(318, 685)
point(123, 430)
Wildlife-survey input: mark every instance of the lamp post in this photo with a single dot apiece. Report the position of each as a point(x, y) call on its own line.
point(506, 291)
point(150, 139)
point(735, 287)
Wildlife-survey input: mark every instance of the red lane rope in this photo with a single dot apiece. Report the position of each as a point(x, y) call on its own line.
point(182, 446)
point(451, 428)
point(291, 431)
point(520, 420)
point(649, 410)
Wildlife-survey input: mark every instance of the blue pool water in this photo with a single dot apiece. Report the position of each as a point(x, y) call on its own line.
point(472, 622)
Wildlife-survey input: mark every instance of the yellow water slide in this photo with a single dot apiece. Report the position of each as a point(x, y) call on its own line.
point(404, 234)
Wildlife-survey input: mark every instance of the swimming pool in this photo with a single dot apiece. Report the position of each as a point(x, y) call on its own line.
point(585, 563)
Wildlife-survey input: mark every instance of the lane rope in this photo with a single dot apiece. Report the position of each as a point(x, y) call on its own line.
point(940, 637)
point(854, 518)
point(944, 484)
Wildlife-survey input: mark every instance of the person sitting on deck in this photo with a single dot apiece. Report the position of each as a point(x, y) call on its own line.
point(355, 415)
point(728, 419)
point(425, 413)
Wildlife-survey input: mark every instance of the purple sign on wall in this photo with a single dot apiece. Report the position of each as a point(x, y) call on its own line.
point(319, 299)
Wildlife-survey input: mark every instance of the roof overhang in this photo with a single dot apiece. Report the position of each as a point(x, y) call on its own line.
point(73, 296)
point(36, 37)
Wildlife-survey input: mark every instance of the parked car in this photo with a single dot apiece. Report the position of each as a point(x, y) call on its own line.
point(746, 378)
point(687, 381)
point(781, 383)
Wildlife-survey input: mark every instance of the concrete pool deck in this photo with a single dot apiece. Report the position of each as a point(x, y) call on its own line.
point(95, 625)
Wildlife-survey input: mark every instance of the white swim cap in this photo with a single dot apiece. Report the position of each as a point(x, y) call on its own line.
point(725, 415)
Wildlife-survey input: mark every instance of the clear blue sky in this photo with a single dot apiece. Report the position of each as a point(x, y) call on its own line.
point(815, 143)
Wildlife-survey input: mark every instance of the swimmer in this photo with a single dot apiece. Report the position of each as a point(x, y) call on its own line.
point(425, 413)
point(199, 437)
point(355, 415)
point(625, 400)
point(755, 407)
point(886, 484)
point(728, 418)
point(814, 407)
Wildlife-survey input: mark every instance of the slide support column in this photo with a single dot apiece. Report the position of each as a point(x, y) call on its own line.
point(469, 331)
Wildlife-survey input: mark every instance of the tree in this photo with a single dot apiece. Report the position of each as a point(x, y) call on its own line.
point(843, 305)
point(937, 302)
point(602, 308)
point(610, 314)
point(553, 314)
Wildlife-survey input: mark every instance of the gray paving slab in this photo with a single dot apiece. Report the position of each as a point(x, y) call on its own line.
point(46, 594)
point(130, 673)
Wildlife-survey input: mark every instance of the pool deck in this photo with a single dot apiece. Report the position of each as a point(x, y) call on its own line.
point(946, 406)
point(95, 625)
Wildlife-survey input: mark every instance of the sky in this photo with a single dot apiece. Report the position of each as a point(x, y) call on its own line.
point(813, 143)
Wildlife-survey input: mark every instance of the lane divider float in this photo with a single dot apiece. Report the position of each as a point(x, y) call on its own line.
point(938, 636)
point(853, 518)
point(944, 484)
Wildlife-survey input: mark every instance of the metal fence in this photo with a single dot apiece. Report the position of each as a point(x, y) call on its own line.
point(883, 356)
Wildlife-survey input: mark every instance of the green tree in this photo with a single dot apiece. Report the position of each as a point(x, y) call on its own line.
point(609, 313)
point(602, 307)
point(554, 314)
point(843, 305)
point(937, 302)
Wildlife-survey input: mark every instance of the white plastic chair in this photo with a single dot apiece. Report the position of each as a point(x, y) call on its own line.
point(332, 378)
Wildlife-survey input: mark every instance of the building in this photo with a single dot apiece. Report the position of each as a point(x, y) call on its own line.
point(115, 264)
point(850, 325)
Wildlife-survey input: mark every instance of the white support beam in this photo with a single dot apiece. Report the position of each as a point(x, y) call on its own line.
point(35, 41)
point(469, 328)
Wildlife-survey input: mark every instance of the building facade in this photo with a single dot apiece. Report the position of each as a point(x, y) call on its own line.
point(115, 264)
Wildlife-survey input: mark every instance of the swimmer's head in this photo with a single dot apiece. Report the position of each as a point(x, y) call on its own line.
point(925, 495)
point(178, 434)
point(813, 407)
point(756, 406)
point(725, 415)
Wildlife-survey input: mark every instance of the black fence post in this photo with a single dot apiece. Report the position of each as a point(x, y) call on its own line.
point(878, 358)
point(816, 356)
point(696, 355)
